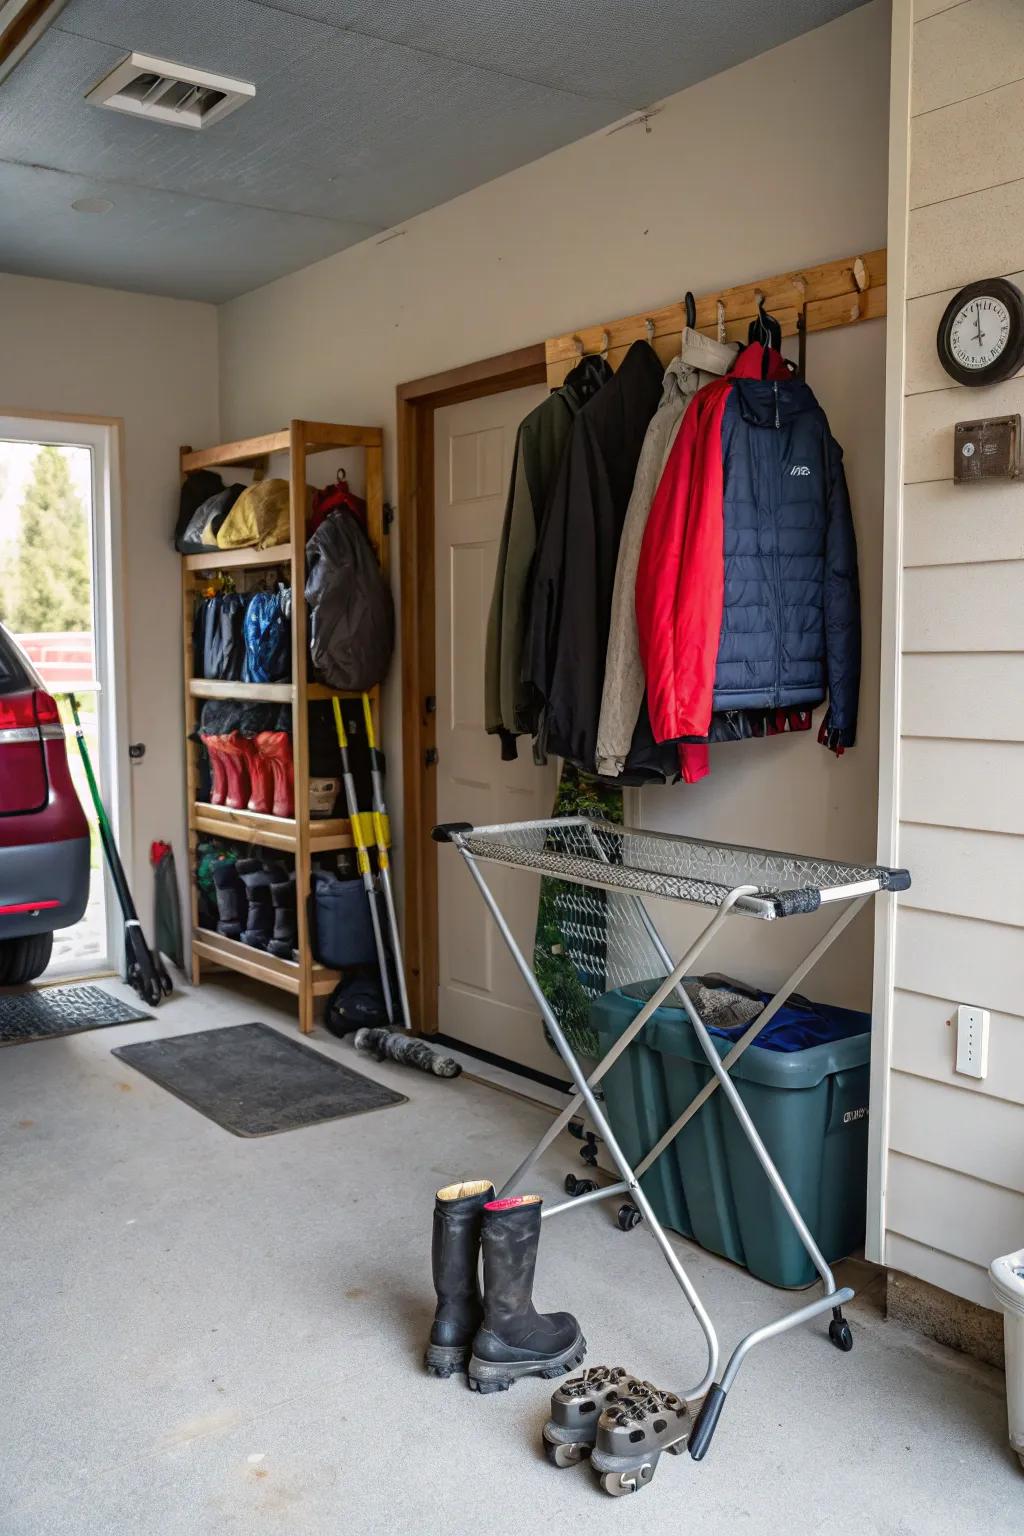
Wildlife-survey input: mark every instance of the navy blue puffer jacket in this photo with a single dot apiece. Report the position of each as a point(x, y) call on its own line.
point(791, 616)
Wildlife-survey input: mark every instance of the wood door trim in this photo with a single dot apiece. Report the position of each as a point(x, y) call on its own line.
point(416, 403)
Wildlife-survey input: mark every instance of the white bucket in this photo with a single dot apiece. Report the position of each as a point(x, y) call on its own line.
point(1007, 1277)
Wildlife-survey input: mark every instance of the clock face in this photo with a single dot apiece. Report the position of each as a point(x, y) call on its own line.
point(980, 339)
point(979, 332)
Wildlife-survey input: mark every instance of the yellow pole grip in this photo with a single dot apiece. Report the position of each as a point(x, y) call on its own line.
point(339, 725)
point(371, 735)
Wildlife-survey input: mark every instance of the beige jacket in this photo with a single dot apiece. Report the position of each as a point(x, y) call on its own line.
point(701, 360)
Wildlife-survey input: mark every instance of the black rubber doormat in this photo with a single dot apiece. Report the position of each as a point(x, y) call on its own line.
point(53, 1011)
point(256, 1082)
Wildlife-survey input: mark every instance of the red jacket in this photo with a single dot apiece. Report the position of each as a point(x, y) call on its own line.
point(680, 577)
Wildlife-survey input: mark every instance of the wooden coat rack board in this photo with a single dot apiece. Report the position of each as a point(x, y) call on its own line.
point(837, 293)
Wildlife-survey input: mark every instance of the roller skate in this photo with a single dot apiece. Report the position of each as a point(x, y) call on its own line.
point(577, 1405)
point(632, 1435)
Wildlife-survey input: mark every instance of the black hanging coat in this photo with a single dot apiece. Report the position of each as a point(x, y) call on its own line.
point(577, 550)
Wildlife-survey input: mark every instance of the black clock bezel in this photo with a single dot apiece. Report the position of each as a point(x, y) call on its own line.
point(1006, 365)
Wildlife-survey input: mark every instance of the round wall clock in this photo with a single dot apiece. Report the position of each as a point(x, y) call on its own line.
point(981, 335)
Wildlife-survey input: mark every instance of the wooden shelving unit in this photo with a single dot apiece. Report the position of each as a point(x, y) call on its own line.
point(299, 836)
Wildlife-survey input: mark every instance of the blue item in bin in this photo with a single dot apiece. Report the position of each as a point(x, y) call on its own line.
point(799, 1025)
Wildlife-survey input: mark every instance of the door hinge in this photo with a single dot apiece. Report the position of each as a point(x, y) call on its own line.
point(389, 516)
point(430, 704)
point(430, 757)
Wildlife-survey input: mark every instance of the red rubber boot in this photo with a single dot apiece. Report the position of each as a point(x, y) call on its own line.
point(218, 776)
point(237, 770)
point(276, 748)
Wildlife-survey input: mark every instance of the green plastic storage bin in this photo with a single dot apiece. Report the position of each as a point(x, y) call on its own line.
point(809, 1107)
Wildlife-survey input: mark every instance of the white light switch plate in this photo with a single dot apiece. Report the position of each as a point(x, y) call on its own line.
point(971, 1040)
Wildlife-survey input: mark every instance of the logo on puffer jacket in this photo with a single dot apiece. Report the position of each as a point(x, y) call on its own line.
point(800, 469)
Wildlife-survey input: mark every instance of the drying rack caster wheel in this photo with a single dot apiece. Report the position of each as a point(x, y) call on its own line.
point(574, 1186)
point(840, 1333)
point(628, 1217)
point(575, 1129)
point(588, 1151)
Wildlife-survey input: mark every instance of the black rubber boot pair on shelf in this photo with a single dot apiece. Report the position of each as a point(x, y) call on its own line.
point(498, 1336)
point(256, 905)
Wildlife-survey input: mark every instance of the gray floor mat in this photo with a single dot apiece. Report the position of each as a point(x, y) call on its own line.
point(49, 1012)
point(254, 1081)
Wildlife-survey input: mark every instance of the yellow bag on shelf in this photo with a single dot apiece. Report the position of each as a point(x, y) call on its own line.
point(259, 518)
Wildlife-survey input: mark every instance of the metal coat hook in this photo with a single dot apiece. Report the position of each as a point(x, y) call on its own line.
point(691, 311)
point(650, 332)
point(578, 345)
point(606, 342)
point(720, 310)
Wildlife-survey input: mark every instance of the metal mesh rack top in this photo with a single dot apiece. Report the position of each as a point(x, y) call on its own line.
point(679, 868)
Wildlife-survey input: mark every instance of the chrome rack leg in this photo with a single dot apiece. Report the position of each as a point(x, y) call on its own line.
point(764, 1017)
point(628, 1035)
point(587, 1096)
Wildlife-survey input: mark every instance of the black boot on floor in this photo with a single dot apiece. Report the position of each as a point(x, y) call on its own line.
point(455, 1258)
point(285, 935)
point(231, 899)
point(515, 1339)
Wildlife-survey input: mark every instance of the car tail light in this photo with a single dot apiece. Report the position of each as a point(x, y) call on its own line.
point(27, 716)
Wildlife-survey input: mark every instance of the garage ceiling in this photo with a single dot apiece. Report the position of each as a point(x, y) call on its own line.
point(366, 112)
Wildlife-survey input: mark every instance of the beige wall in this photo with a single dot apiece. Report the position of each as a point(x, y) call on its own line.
point(153, 362)
point(776, 164)
point(955, 1177)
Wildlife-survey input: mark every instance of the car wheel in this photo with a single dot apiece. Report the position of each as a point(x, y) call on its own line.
point(23, 960)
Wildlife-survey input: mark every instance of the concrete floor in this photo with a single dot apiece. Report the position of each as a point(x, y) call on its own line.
point(202, 1335)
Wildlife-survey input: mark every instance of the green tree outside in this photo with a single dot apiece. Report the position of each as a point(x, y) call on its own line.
point(52, 574)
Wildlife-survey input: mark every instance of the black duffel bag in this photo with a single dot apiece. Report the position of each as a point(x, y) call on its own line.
point(342, 932)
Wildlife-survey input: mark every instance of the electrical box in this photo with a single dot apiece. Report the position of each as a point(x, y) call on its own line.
point(986, 450)
point(971, 1040)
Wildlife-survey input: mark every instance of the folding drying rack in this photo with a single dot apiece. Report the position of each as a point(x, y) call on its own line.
point(628, 866)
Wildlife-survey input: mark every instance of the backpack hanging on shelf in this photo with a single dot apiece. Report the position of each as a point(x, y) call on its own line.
point(267, 633)
point(352, 615)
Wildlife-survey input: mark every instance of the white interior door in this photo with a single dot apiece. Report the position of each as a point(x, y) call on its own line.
point(482, 998)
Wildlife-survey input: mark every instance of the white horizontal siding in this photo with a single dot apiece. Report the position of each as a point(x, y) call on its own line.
point(969, 696)
point(951, 1211)
point(924, 1043)
point(947, 524)
point(959, 957)
point(974, 784)
point(938, 1123)
point(924, 371)
point(930, 419)
point(972, 874)
point(941, 1269)
point(965, 608)
point(967, 146)
point(955, 242)
point(966, 50)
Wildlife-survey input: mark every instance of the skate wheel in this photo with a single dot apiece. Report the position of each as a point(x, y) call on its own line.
point(620, 1483)
point(628, 1217)
point(565, 1455)
point(840, 1333)
point(575, 1128)
point(574, 1186)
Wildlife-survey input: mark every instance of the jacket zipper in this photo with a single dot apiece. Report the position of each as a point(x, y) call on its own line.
point(778, 567)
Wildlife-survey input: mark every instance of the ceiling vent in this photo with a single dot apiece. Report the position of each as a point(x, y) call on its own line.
point(169, 93)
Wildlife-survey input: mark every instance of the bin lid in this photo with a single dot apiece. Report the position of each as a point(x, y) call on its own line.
point(671, 1033)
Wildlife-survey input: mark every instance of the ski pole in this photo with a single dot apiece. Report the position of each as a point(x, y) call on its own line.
point(382, 835)
point(359, 836)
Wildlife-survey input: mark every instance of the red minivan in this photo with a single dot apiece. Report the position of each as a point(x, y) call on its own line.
point(44, 839)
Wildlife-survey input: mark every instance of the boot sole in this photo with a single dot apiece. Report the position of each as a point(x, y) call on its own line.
point(446, 1359)
point(495, 1376)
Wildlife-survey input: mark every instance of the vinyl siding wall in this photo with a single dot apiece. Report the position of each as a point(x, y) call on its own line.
point(955, 1174)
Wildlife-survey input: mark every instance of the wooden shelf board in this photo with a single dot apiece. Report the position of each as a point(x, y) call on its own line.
point(247, 451)
point(269, 831)
point(231, 559)
point(321, 436)
point(220, 688)
point(285, 974)
point(321, 692)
